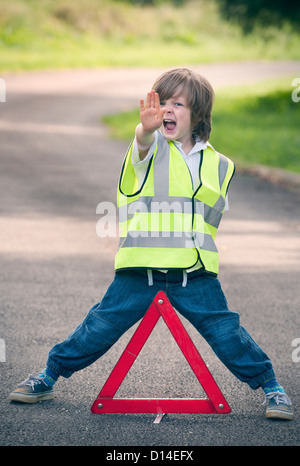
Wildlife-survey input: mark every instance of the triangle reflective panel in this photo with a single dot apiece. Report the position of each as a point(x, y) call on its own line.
point(215, 401)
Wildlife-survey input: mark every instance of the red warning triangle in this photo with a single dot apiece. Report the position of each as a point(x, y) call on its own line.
point(215, 401)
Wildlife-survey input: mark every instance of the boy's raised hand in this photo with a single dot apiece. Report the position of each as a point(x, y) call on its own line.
point(151, 114)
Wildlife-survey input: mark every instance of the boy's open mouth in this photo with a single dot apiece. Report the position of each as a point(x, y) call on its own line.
point(169, 125)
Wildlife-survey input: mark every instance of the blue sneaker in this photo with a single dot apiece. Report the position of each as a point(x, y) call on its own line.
point(32, 390)
point(279, 406)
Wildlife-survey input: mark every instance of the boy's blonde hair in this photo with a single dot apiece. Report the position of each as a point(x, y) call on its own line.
point(199, 94)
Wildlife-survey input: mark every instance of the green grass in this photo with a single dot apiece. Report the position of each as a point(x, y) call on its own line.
point(252, 125)
point(40, 34)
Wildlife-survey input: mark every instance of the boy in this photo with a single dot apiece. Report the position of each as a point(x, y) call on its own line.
point(171, 197)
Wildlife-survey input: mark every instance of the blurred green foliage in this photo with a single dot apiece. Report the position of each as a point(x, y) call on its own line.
point(156, 2)
point(63, 33)
point(259, 129)
point(249, 13)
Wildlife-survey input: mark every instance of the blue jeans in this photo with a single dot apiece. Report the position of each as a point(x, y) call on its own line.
point(201, 302)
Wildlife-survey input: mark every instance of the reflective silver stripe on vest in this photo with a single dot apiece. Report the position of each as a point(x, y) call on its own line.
point(168, 240)
point(220, 204)
point(184, 205)
point(161, 165)
point(155, 204)
point(211, 215)
point(223, 167)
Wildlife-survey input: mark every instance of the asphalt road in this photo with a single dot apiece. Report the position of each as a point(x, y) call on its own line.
point(57, 165)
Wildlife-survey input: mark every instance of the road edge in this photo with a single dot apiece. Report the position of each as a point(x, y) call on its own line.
point(276, 176)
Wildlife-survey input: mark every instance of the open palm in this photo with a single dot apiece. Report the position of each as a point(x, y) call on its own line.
point(151, 114)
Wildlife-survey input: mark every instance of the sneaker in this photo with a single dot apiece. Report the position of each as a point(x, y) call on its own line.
point(279, 406)
point(32, 390)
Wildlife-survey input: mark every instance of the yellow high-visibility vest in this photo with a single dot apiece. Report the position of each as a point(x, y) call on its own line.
point(165, 223)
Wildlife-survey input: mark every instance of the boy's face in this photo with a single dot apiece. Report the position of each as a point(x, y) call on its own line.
point(177, 120)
